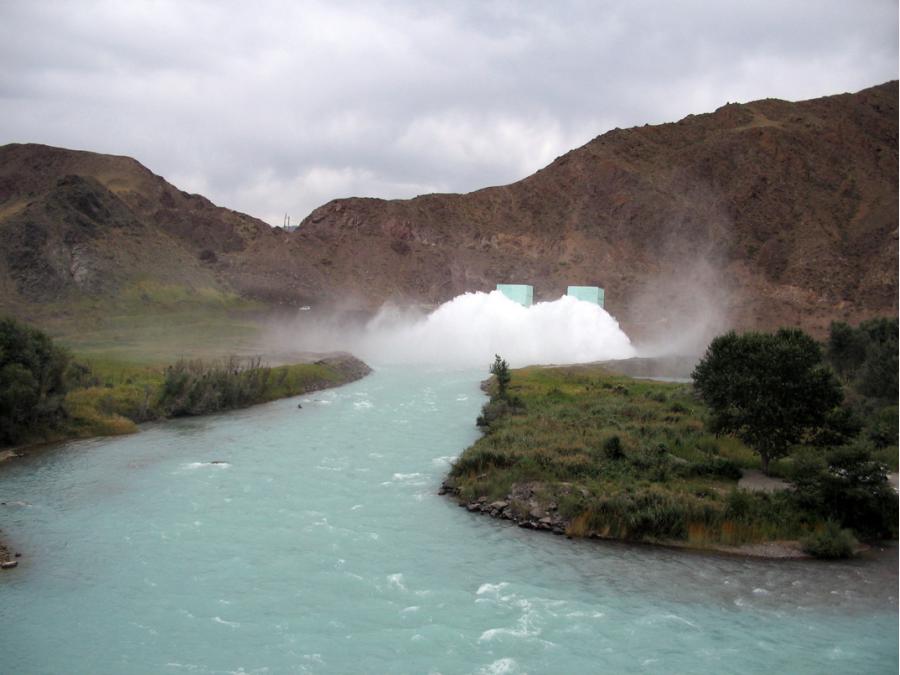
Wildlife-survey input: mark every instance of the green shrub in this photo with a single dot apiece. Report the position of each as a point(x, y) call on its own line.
point(612, 448)
point(739, 505)
point(866, 356)
point(478, 461)
point(882, 428)
point(648, 514)
point(850, 487)
point(718, 467)
point(830, 543)
point(32, 383)
point(491, 412)
point(199, 388)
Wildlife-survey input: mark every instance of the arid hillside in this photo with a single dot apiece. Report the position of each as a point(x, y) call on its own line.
point(755, 215)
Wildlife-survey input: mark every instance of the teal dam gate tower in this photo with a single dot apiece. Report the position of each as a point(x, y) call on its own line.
point(524, 294)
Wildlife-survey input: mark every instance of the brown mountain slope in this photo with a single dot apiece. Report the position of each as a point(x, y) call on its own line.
point(83, 226)
point(755, 215)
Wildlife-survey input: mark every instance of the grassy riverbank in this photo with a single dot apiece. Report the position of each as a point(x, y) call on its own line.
point(52, 393)
point(120, 396)
point(589, 453)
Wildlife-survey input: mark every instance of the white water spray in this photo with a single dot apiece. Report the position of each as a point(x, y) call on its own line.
point(469, 329)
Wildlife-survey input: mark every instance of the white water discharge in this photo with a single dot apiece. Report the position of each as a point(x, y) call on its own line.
point(469, 329)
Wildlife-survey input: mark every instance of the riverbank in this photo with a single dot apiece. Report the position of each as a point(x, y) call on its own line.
point(582, 452)
point(545, 517)
point(119, 397)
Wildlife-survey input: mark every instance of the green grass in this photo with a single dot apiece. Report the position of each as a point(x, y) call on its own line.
point(150, 323)
point(664, 479)
point(120, 395)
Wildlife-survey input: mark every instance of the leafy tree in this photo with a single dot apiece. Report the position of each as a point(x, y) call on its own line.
point(846, 348)
point(866, 356)
point(32, 381)
point(771, 390)
point(500, 370)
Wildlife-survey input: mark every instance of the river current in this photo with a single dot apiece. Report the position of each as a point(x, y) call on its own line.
point(286, 540)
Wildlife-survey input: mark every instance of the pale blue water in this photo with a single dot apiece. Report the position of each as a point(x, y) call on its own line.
point(322, 547)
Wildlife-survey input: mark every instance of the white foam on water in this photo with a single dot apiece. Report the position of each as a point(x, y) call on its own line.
point(232, 624)
point(192, 466)
point(396, 581)
point(500, 667)
point(491, 589)
point(411, 478)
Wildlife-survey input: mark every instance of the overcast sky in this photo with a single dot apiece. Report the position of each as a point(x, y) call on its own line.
point(274, 107)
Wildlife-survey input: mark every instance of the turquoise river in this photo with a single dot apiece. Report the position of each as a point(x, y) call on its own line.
point(286, 540)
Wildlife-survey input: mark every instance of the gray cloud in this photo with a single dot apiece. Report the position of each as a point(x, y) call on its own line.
point(270, 107)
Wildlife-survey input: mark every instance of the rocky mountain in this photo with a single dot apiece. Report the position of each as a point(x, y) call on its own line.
point(756, 215)
point(753, 216)
point(79, 225)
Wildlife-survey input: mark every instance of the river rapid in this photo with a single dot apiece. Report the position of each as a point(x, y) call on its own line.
point(286, 540)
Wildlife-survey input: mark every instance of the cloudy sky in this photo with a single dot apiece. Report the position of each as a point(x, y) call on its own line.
point(273, 107)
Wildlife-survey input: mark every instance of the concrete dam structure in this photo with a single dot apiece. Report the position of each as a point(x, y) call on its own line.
point(521, 293)
point(524, 294)
point(587, 293)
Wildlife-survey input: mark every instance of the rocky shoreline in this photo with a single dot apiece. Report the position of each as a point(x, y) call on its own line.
point(520, 506)
point(524, 509)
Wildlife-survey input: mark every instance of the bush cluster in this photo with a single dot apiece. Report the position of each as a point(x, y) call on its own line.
point(199, 388)
point(847, 486)
point(830, 543)
point(32, 383)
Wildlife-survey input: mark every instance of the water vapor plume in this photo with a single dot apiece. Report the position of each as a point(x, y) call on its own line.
point(468, 330)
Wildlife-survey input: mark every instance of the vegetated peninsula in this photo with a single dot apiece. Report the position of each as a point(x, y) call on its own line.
point(581, 451)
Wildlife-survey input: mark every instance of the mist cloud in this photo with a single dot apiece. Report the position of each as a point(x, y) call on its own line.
point(468, 331)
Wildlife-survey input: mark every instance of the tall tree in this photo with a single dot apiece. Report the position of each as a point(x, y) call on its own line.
point(770, 390)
